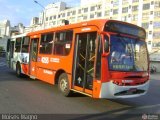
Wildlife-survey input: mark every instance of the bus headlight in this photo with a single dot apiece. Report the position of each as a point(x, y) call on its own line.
point(145, 74)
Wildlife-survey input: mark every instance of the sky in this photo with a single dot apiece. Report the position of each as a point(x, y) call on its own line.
point(22, 11)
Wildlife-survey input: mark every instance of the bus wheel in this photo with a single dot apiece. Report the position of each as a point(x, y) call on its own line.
point(18, 70)
point(63, 84)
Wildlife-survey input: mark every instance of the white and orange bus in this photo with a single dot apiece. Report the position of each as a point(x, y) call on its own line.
point(99, 58)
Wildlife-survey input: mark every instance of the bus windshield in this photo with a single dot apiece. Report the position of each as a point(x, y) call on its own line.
point(127, 54)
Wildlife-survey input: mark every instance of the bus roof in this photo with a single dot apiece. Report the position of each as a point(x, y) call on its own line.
point(20, 35)
point(99, 23)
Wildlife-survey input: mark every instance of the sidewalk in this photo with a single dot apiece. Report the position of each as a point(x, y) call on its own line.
point(155, 76)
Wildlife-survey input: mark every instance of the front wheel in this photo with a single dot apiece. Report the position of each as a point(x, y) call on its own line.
point(63, 84)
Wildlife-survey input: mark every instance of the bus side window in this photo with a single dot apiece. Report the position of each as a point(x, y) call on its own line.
point(25, 44)
point(18, 45)
point(62, 42)
point(46, 43)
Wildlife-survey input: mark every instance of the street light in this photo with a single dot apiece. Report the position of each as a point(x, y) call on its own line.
point(43, 19)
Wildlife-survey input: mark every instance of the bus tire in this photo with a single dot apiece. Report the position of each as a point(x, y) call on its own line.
point(63, 85)
point(18, 70)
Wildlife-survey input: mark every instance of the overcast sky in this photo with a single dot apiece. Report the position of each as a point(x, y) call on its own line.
point(21, 11)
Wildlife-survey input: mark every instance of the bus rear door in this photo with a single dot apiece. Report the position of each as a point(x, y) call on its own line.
point(33, 57)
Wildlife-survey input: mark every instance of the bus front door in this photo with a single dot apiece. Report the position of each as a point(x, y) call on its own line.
point(84, 62)
point(33, 57)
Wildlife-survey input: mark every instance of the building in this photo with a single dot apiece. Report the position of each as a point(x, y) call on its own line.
point(4, 33)
point(144, 13)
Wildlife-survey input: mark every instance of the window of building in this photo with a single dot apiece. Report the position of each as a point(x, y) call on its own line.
point(79, 11)
point(73, 12)
point(135, 8)
point(129, 15)
point(99, 14)
point(50, 18)
point(156, 35)
point(85, 17)
point(54, 22)
point(151, 22)
point(125, 10)
point(157, 4)
point(68, 13)
point(134, 17)
point(157, 14)
point(107, 13)
point(63, 42)
point(150, 32)
point(124, 18)
point(72, 19)
point(124, 2)
point(18, 44)
point(156, 44)
point(25, 44)
point(46, 18)
point(152, 2)
point(145, 16)
point(145, 25)
point(115, 11)
point(91, 15)
point(151, 12)
point(115, 3)
point(85, 10)
point(146, 6)
point(135, 1)
point(149, 42)
point(99, 7)
point(63, 14)
point(46, 43)
point(93, 8)
point(54, 16)
point(156, 24)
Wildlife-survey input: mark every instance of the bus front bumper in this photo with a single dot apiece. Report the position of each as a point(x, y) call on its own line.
point(111, 90)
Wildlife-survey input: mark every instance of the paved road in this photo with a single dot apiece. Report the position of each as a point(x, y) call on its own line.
point(23, 95)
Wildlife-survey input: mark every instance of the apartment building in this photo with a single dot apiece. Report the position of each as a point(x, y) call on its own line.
point(144, 13)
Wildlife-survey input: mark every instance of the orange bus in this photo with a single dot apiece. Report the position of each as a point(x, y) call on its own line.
point(99, 58)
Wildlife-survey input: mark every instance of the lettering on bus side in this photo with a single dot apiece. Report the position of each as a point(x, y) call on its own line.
point(86, 29)
point(45, 60)
point(56, 60)
point(48, 72)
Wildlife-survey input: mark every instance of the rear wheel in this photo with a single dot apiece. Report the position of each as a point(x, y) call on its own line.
point(18, 70)
point(63, 84)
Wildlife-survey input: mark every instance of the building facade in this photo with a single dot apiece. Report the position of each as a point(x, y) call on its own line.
point(4, 33)
point(144, 13)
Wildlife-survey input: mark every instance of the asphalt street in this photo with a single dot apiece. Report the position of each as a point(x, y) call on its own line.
point(26, 96)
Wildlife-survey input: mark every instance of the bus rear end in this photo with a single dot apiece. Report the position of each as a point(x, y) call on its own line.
point(125, 63)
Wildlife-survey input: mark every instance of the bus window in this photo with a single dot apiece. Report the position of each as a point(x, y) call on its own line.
point(46, 43)
point(18, 45)
point(98, 58)
point(62, 44)
point(8, 45)
point(106, 44)
point(25, 44)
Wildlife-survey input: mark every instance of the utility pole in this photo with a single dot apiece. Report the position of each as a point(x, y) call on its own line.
point(44, 13)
